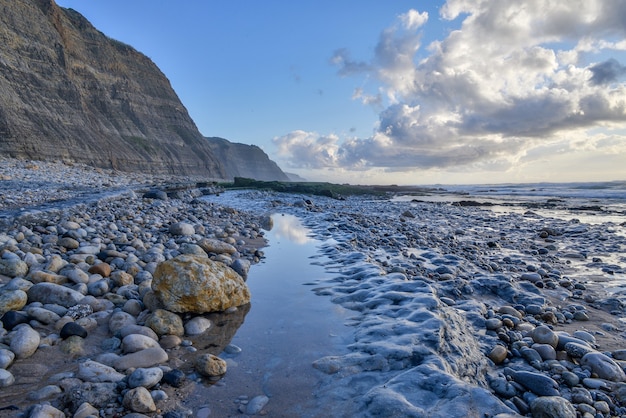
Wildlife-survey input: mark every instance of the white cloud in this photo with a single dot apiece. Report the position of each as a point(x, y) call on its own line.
point(512, 80)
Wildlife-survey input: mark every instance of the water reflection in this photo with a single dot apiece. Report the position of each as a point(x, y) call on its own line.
point(290, 227)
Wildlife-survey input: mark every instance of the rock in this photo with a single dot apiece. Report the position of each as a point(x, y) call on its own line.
point(86, 410)
point(42, 276)
point(509, 310)
point(174, 378)
point(13, 267)
point(119, 320)
point(6, 378)
point(197, 325)
point(145, 358)
point(6, 358)
point(139, 400)
point(182, 228)
point(552, 407)
point(24, 341)
point(603, 366)
point(531, 277)
point(54, 294)
point(99, 395)
point(544, 335)
point(12, 300)
point(535, 382)
point(45, 411)
point(256, 404)
point(103, 269)
point(145, 377)
point(92, 371)
point(210, 366)
point(13, 318)
point(164, 322)
point(69, 243)
point(242, 267)
point(72, 328)
point(546, 351)
point(216, 246)
point(45, 393)
point(577, 350)
point(73, 346)
point(137, 329)
point(498, 354)
point(137, 342)
point(189, 283)
point(121, 278)
point(42, 315)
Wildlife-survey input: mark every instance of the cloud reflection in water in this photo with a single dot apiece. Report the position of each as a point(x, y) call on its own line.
point(290, 227)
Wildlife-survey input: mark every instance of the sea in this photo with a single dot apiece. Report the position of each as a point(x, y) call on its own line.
point(589, 202)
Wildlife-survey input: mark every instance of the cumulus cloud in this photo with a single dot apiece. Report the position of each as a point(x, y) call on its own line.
point(511, 78)
point(607, 71)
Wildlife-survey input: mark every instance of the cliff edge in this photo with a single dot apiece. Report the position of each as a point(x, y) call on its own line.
point(68, 92)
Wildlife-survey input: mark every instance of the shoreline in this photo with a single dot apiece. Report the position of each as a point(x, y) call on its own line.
point(440, 293)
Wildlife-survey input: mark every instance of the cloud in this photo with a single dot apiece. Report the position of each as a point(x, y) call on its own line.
point(607, 72)
point(509, 78)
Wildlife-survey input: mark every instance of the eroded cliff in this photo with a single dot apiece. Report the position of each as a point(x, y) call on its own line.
point(70, 93)
point(248, 161)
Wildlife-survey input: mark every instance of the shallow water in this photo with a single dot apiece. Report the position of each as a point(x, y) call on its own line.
point(287, 328)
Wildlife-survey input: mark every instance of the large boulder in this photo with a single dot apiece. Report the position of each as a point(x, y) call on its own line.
point(189, 283)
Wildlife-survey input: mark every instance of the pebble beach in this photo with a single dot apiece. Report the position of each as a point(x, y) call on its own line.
point(454, 309)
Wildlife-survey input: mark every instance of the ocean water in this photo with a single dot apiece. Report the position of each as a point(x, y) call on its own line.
point(593, 203)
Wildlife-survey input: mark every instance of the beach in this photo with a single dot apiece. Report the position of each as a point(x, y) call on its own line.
point(468, 301)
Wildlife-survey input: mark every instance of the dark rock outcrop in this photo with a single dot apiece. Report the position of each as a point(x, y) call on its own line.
point(68, 92)
point(243, 160)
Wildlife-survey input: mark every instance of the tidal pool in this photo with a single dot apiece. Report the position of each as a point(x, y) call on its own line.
point(287, 328)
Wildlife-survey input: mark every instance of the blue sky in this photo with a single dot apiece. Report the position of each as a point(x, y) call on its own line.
point(406, 92)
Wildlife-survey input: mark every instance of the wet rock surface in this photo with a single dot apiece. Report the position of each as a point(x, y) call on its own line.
point(460, 311)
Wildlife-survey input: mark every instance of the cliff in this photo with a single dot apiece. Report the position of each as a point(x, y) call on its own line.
point(68, 92)
point(241, 160)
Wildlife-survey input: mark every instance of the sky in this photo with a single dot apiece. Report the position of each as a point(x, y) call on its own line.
point(396, 92)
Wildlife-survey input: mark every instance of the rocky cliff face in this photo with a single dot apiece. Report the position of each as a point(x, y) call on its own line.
point(243, 160)
point(68, 92)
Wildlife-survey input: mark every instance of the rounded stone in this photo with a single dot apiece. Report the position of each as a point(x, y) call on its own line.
point(149, 357)
point(498, 354)
point(92, 371)
point(11, 319)
point(210, 366)
point(103, 269)
point(544, 335)
point(24, 341)
point(139, 400)
point(197, 325)
point(182, 228)
point(603, 366)
point(146, 377)
point(72, 328)
point(552, 407)
point(6, 358)
point(137, 342)
point(164, 322)
point(6, 378)
point(13, 267)
point(175, 378)
point(546, 351)
point(12, 300)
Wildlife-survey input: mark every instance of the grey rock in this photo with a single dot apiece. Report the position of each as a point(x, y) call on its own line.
point(137, 342)
point(55, 294)
point(603, 366)
point(197, 325)
point(24, 341)
point(552, 407)
point(537, 383)
point(94, 372)
point(6, 378)
point(146, 377)
point(139, 400)
point(13, 267)
point(256, 404)
point(144, 358)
